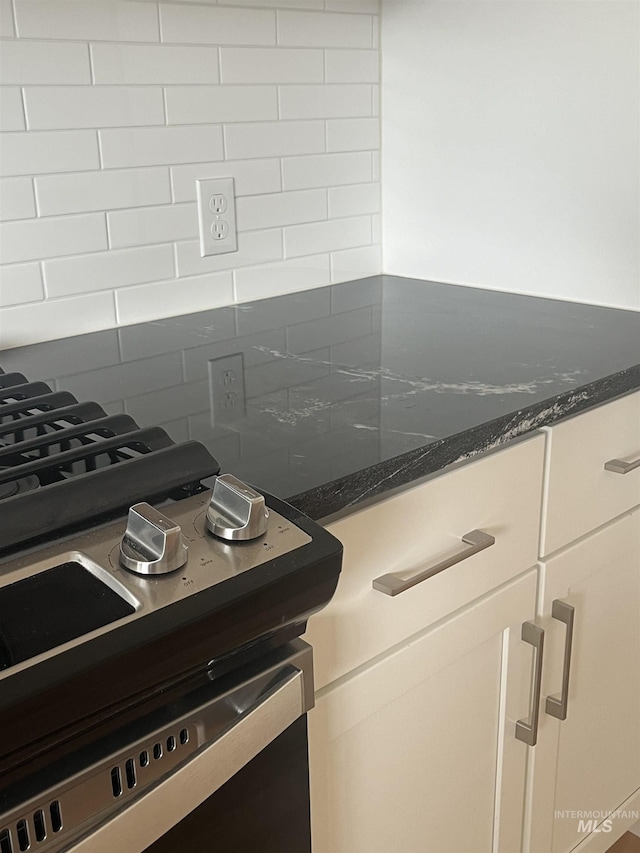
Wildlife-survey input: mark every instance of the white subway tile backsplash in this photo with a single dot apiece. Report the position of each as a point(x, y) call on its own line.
point(6, 19)
point(137, 64)
point(298, 102)
point(281, 277)
point(16, 198)
point(352, 66)
point(271, 65)
point(146, 225)
point(205, 104)
point(353, 134)
point(281, 209)
point(107, 270)
point(34, 239)
point(216, 25)
point(33, 62)
point(254, 247)
point(355, 263)
point(50, 107)
point(85, 191)
point(354, 201)
point(325, 170)
point(327, 236)
point(150, 146)
point(37, 153)
point(11, 110)
point(166, 298)
point(112, 109)
point(20, 283)
point(315, 29)
point(99, 20)
point(53, 319)
point(274, 139)
point(251, 177)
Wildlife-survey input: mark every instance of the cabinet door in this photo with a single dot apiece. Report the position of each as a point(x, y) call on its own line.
point(416, 751)
point(590, 761)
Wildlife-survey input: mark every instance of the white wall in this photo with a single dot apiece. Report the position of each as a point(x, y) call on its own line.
point(110, 110)
point(510, 145)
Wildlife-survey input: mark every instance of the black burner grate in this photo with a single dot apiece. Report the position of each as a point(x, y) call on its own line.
point(65, 463)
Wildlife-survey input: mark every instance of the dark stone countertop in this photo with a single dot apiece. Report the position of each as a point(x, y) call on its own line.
point(340, 394)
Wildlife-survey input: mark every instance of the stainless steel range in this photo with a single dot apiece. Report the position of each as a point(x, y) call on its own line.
point(153, 689)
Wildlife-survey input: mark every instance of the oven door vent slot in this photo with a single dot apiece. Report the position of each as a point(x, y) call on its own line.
point(24, 835)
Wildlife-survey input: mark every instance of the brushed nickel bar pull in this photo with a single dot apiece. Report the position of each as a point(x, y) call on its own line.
point(557, 707)
point(396, 582)
point(528, 732)
point(619, 466)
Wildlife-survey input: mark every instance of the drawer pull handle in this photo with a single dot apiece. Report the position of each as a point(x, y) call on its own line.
point(528, 732)
point(392, 584)
point(564, 613)
point(619, 466)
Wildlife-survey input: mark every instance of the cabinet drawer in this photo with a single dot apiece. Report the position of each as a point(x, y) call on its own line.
point(580, 493)
point(499, 494)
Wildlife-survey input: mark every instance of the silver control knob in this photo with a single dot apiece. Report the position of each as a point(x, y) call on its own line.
point(152, 543)
point(236, 511)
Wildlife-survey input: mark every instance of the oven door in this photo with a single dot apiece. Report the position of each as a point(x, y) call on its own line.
point(224, 768)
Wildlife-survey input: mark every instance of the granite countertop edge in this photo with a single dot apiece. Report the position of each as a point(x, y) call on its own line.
point(346, 493)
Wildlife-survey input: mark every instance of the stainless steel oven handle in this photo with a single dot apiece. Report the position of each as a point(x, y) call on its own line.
point(153, 814)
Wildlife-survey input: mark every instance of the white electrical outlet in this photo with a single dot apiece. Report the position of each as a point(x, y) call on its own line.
point(217, 216)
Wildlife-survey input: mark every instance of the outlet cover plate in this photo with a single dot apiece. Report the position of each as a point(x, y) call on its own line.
point(217, 216)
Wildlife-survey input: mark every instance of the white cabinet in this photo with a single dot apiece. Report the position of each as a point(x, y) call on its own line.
point(413, 742)
point(590, 761)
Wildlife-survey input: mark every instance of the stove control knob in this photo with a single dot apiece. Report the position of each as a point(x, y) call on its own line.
point(236, 511)
point(152, 543)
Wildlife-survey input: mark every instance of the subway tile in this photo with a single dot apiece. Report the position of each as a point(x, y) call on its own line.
point(375, 165)
point(6, 19)
point(107, 270)
point(50, 107)
point(251, 177)
point(375, 40)
point(326, 170)
point(205, 104)
point(55, 318)
point(11, 109)
point(283, 277)
point(371, 7)
point(208, 25)
point(353, 263)
point(175, 333)
point(16, 199)
point(289, 4)
point(147, 225)
point(137, 64)
point(33, 239)
point(120, 381)
point(353, 134)
point(328, 331)
point(98, 20)
point(376, 228)
point(35, 153)
point(352, 66)
point(327, 236)
point(20, 283)
point(67, 356)
point(312, 29)
point(263, 211)
point(102, 190)
point(283, 310)
point(354, 201)
point(271, 65)
point(27, 63)
point(254, 247)
point(325, 101)
point(375, 100)
point(150, 146)
point(274, 139)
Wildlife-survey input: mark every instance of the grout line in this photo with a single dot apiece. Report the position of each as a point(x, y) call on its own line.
point(91, 68)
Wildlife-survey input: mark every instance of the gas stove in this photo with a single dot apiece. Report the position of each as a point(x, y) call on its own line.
point(129, 567)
